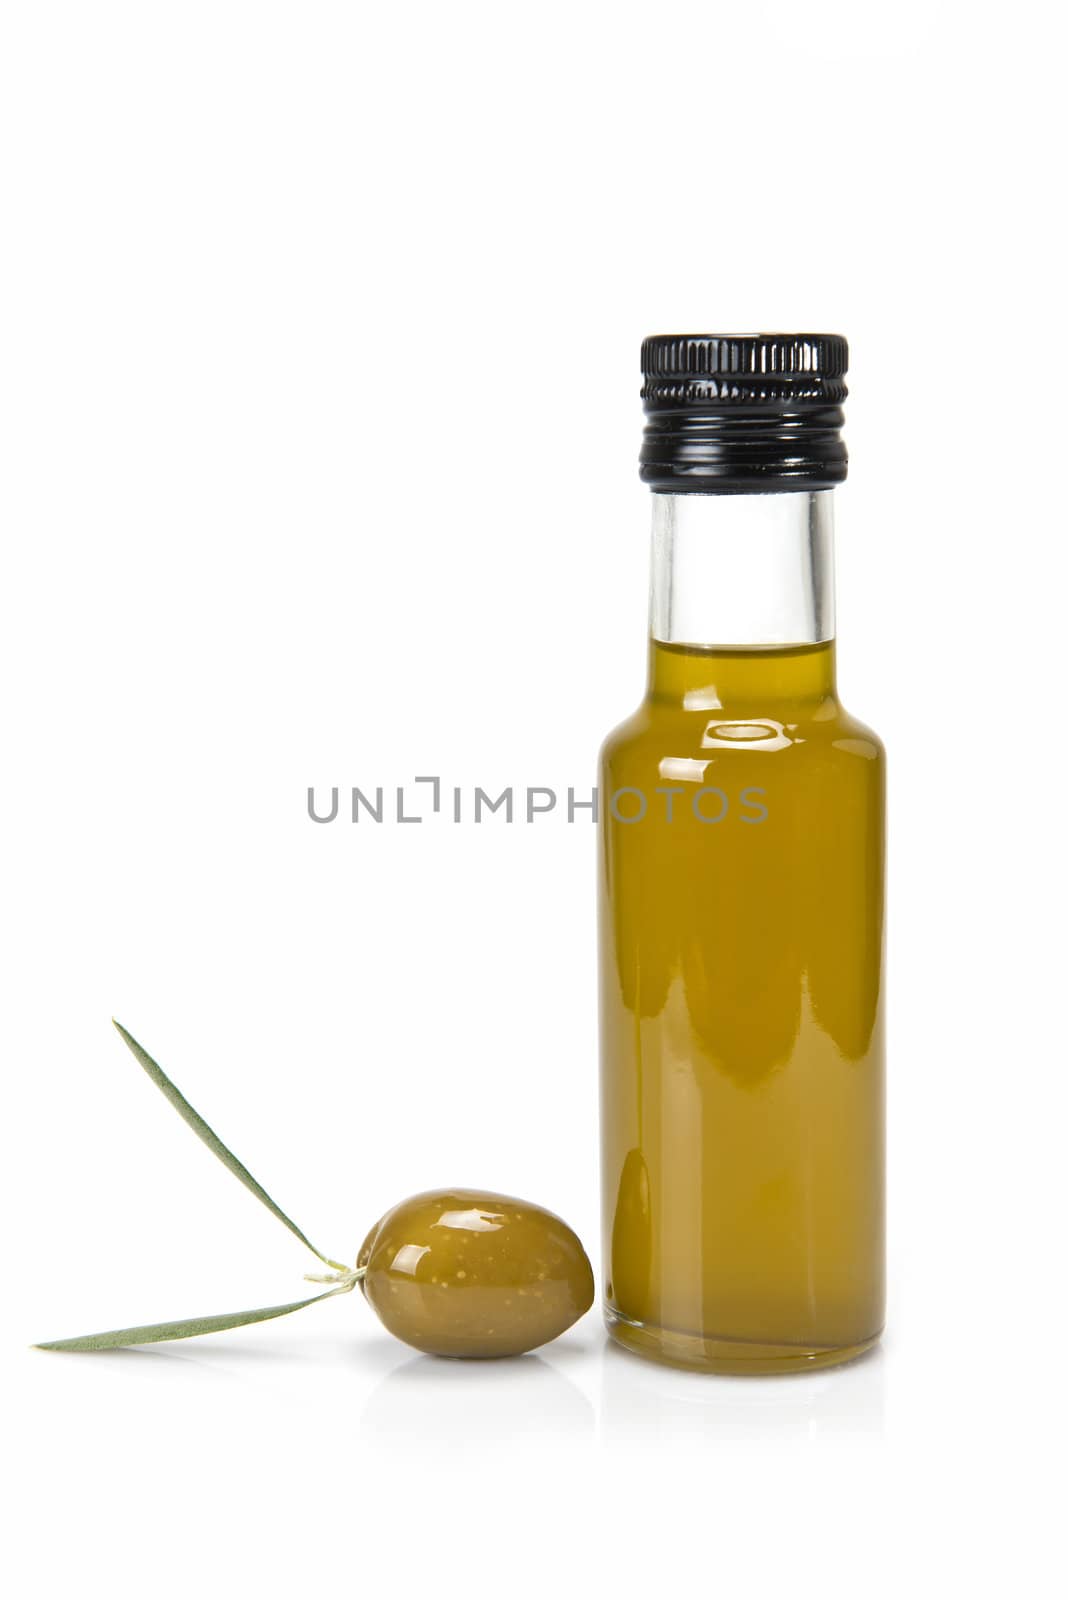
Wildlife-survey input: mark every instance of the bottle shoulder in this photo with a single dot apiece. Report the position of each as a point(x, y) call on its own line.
point(625, 732)
point(655, 728)
point(858, 738)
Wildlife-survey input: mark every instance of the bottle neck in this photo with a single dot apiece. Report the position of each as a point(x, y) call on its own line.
point(742, 601)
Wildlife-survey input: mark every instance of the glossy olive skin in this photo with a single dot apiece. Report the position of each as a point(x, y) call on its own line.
point(459, 1272)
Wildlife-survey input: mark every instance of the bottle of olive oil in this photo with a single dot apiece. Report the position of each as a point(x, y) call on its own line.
point(741, 891)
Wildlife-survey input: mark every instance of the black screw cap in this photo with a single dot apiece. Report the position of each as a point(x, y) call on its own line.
point(736, 413)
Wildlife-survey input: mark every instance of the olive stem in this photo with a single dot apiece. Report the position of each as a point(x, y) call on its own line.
point(346, 1278)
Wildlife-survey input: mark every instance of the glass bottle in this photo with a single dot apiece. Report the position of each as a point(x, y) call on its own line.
point(741, 892)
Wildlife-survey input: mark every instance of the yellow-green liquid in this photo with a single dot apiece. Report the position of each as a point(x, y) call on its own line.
point(741, 1009)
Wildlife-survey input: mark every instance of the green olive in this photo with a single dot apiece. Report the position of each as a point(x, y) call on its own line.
point(456, 1272)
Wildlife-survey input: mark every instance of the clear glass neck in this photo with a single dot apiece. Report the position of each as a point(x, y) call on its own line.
point(743, 571)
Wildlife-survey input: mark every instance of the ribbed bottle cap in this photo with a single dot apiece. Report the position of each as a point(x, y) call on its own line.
point(756, 412)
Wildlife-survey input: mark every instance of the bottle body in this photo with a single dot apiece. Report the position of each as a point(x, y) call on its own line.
point(741, 925)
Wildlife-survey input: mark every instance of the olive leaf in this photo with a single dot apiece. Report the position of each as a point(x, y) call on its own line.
point(154, 1332)
point(342, 1279)
point(227, 1157)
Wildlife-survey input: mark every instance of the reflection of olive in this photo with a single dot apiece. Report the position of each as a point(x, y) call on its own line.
point(457, 1272)
point(632, 1239)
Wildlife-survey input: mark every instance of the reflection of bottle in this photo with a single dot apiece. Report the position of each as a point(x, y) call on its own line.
point(742, 891)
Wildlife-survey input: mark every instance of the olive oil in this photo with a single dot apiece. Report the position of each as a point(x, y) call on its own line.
point(741, 907)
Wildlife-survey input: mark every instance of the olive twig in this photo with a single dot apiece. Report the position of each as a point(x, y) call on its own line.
point(452, 1272)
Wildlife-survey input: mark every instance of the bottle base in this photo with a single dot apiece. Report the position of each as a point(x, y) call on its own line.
point(728, 1357)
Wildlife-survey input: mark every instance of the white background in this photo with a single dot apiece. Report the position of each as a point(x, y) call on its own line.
point(319, 433)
